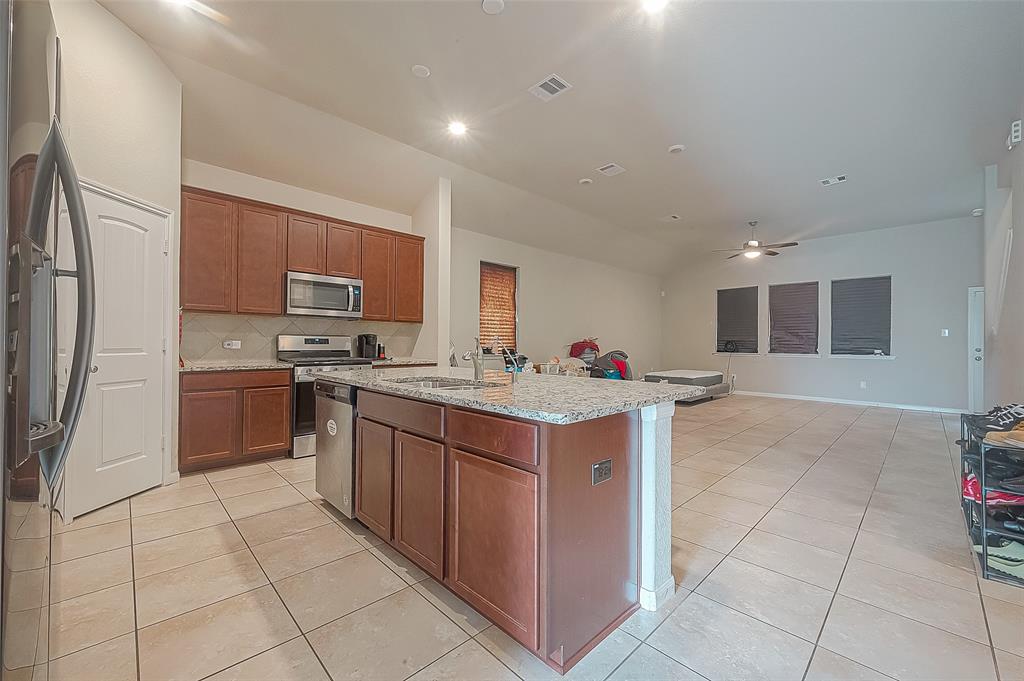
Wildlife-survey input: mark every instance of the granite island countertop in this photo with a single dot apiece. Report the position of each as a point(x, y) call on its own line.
point(537, 397)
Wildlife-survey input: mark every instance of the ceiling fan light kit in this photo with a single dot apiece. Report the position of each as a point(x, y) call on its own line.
point(755, 249)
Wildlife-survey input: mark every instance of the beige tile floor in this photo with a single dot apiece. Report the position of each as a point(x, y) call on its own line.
point(811, 541)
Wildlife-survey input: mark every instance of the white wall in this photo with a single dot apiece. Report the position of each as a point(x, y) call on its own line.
point(1004, 367)
point(432, 219)
point(121, 115)
point(215, 178)
point(561, 299)
point(931, 264)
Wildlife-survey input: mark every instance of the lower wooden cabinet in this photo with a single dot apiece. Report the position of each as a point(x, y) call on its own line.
point(374, 466)
point(419, 501)
point(493, 542)
point(229, 417)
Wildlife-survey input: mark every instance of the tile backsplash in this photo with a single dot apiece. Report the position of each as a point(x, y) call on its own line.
point(202, 334)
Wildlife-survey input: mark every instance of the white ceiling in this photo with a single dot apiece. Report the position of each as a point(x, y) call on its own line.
point(909, 99)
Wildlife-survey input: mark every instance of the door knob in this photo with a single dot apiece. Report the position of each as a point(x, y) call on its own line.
point(94, 369)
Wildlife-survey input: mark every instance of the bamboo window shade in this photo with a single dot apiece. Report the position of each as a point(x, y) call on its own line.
point(497, 304)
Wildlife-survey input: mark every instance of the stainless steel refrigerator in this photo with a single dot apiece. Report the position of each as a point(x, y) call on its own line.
point(38, 431)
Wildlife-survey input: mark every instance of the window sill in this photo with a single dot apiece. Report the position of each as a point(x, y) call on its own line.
point(862, 357)
point(738, 354)
point(813, 355)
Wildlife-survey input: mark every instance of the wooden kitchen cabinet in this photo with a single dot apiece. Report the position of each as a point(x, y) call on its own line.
point(307, 244)
point(343, 251)
point(493, 542)
point(374, 466)
point(266, 418)
point(229, 417)
point(378, 263)
point(210, 426)
point(261, 260)
point(419, 501)
point(207, 266)
point(408, 280)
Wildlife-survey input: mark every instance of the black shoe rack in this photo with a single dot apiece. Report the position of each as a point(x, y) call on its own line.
point(995, 532)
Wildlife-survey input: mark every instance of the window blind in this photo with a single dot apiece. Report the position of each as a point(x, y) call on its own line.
point(497, 304)
point(862, 316)
point(793, 318)
point(737, 319)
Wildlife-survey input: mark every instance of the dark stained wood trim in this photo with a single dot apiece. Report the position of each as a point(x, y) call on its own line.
point(296, 211)
point(220, 380)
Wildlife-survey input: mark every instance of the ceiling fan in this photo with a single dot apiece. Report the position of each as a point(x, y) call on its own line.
point(754, 248)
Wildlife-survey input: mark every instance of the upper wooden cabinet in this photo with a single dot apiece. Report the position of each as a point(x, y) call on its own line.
point(343, 251)
point(261, 244)
point(207, 253)
point(408, 280)
point(378, 276)
point(307, 244)
point(235, 254)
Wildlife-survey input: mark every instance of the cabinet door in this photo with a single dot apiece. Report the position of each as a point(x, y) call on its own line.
point(374, 449)
point(378, 264)
point(266, 420)
point(210, 428)
point(408, 280)
point(493, 542)
point(343, 254)
point(260, 260)
point(307, 244)
point(419, 501)
point(207, 253)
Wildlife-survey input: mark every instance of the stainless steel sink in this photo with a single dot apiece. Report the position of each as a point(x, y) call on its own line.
point(443, 383)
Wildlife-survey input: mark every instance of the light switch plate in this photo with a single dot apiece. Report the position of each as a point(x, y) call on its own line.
point(944, 333)
point(232, 345)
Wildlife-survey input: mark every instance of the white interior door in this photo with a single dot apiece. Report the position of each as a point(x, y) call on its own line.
point(976, 349)
point(117, 450)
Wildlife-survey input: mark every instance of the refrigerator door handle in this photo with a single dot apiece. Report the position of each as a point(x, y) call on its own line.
point(52, 462)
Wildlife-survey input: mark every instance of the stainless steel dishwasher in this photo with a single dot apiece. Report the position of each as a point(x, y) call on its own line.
point(335, 445)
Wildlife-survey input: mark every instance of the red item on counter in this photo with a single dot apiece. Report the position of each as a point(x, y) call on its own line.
point(577, 348)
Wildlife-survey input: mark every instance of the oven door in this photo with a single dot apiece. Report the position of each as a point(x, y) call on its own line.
point(315, 294)
point(303, 417)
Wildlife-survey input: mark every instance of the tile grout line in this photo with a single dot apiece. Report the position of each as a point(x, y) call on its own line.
point(135, 604)
point(835, 593)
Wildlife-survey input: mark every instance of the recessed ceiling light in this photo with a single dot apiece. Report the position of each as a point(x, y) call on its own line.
point(457, 128)
point(420, 71)
point(677, 149)
point(493, 7)
point(654, 6)
point(585, 180)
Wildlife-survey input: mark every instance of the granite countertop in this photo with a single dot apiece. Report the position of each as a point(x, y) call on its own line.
point(553, 399)
point(402, 361)
point(233, 365)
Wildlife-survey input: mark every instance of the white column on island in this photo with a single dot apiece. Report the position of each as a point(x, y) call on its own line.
point(656, 581)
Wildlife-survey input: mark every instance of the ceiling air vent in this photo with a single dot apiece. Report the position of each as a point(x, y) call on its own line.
point(611, 169)
point(550, 88)
point(829, 181)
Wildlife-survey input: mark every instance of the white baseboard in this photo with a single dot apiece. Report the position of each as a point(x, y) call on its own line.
point(860, 403)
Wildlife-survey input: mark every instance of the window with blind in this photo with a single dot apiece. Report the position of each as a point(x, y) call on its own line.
point(862, 316)
point(793, 318)
point(497, 305)
point(737, 320)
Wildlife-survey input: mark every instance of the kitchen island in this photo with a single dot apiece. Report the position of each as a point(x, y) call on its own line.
point(544, 503)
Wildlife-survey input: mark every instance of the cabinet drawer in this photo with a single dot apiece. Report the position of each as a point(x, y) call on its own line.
point(420, 417)
point(511, 439)
point(226, 380)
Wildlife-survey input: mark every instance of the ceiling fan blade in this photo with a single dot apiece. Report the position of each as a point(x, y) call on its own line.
point(734, 256)
point(771, 252)
point(785, 245)
point(728, 250)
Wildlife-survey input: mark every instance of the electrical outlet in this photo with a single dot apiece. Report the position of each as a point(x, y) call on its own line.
point(863, 385)
point(944, 333)
point(232, 345)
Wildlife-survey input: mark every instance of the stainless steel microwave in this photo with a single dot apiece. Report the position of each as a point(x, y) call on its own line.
point(315, 294)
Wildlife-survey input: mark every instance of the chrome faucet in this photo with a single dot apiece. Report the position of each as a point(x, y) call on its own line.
point(478, 361)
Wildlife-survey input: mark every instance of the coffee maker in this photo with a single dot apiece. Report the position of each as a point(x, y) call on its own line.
point(366, 345)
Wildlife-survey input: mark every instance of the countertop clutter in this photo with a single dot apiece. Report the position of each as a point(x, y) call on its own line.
point(551, 399)
point(264, 364)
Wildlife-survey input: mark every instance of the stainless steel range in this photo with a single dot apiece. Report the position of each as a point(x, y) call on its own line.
point(310, 354)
